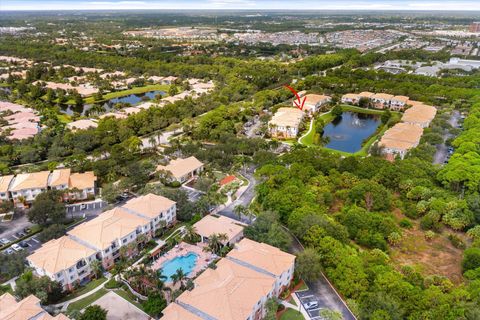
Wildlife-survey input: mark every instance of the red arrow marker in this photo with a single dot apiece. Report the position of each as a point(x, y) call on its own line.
point(299, 102)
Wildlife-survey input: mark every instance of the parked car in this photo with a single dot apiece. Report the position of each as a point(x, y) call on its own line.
point(311, 305)
point(27, 230)
point(24, 244)
point(8, 251)
point(20, 234)
point(4, 241)
point(16, 247)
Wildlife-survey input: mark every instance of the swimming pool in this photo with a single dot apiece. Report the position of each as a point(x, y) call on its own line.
point(186, 263)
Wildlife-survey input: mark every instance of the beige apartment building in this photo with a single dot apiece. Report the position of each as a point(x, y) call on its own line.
point(285, 122)
point(24, 188)
point(239, 287)
point(28, 308)
point(68, 258)
point(210, 225)
point(313, 102)
point(419, 114)
point(400, 138)
point(182, 170)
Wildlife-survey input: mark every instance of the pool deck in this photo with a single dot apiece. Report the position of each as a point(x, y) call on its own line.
point(182, 249)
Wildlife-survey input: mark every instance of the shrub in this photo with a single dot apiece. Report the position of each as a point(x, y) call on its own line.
point(112, 284)
point(405, 223)
point(456, 241)
point(471, 259)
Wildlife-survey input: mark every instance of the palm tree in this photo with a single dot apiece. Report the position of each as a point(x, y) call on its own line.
point(179, 276)
point(239, 211)
point(215, 243)
point(97, 268)
point(190, 233)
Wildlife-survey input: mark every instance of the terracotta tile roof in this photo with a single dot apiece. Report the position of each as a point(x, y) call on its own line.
point(26, 309)
point(352, 96)
point(212, 225)
point(5, 182)
point(315, 98)
point(287, 117)
point(230, 292)
point(35, 180)
point(383, 96)
point(401, 136)
point(59, 177)
point(82, 181)
point(419, 113)
point(263, 256)
point(108, 227)
point(149, 205)
point(175, 312)
point(227, 180)
point(180, 167)
point(59, 254)
point(82, 124)
point(366, 94)
point(403, 99)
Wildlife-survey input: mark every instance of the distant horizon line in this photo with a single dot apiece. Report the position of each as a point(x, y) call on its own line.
point(249, 10)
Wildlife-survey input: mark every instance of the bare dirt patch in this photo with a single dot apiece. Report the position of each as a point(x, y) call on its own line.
point(434, 257)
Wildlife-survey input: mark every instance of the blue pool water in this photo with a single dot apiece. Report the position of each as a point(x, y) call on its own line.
point(186, 263)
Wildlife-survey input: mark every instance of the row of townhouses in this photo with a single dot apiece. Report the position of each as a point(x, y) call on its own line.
point(23, 188)
point(238, 287)
point(285, 122)
point(28, 308)
point(68, 259)
point(379, 100)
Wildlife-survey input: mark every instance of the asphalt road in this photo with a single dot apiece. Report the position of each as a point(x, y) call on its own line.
point(322, 292)
point(442, 151)
point(244, 200)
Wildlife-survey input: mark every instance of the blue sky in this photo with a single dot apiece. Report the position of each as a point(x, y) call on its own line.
point(467, 5)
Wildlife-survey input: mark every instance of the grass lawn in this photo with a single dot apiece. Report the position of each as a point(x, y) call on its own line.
point(303, 287)
point(86, 288)
point(291, 314)
point(64, 118)
point(85, 302)
point(127, 295)
point(292, 301)
point(116, 94)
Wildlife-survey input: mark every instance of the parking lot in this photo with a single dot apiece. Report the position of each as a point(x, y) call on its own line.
point(306, 297)
point(193, 194)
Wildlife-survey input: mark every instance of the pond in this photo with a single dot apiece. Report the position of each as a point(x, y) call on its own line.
point(108, 105)
point(348, 132)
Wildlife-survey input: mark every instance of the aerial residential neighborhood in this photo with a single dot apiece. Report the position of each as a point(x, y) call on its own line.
point(239, 160)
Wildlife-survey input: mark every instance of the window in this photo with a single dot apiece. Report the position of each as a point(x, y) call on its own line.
point(124, 241)
point(70, 270)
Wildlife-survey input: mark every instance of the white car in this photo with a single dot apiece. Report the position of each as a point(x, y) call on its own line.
point(311, 305)
point(16, 247)
point(4, 241)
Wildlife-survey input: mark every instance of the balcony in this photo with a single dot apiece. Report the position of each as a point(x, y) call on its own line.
point(81, 264)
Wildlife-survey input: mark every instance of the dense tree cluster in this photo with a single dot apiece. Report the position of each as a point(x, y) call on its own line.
point(342, 211)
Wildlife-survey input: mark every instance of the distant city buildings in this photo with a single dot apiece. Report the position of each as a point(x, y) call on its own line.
point(474, 27)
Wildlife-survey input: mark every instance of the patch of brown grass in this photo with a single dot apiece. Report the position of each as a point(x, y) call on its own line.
point(434, 257)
